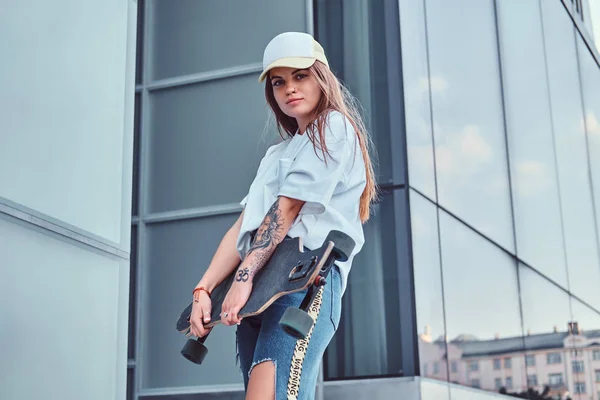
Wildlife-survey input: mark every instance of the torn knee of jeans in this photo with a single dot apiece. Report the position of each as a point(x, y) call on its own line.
point(254, 364)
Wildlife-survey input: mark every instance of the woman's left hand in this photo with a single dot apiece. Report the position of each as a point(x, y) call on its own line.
point(236, 298)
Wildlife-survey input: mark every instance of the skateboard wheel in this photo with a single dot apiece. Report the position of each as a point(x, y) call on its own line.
point(194, 351)
point(343, 244)
point(296, 322)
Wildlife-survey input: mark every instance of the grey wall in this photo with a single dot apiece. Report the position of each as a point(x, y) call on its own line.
point(66, 144)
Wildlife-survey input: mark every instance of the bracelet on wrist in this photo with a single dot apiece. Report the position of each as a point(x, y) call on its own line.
point(200, 288)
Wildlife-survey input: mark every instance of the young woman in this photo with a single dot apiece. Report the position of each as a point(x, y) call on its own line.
point(317, 179)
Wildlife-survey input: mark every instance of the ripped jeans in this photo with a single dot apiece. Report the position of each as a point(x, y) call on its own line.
point(261, 339)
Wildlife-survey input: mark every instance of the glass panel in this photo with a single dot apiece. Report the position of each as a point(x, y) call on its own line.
point(136, 156)
point(480, 283)
point(132, 293)
point(428, 289)
point(585, 338)
point(531, 145)
point(594, 21)
point(467, 116)
point(199, 154)
point(178, 254)
point(193, 36)
point(585, 16)
point(353, 36)
point(546, 315)
point(590, 76)
point(370, 347)
point(417, 87)
point(571, 152)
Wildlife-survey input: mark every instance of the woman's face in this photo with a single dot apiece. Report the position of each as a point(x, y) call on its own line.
point(296, 91)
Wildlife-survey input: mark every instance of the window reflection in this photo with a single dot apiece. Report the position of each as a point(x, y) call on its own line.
point(480, 284)
point(593, 22)
point(467, 115)
point(584, 337)
point(546, 319)
point(417, 107)
point(531, 144)
point(590, 75)
point(428, 288)
point(571, 153)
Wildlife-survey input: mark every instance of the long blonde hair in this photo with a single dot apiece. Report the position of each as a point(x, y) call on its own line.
point(335, 97)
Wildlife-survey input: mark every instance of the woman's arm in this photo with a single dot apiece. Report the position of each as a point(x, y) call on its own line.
point(225, 260)
point(271, 232)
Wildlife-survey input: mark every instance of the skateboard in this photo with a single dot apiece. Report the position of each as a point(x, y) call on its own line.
point(291, 268)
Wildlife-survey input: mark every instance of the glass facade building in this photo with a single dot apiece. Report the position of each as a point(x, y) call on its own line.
point(481, 269)
point(130, 131)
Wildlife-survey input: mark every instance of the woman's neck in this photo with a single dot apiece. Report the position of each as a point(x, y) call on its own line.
point(301, 126)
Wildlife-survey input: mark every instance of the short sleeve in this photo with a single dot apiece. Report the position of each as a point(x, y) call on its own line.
point(259, 171)
point(311, 179)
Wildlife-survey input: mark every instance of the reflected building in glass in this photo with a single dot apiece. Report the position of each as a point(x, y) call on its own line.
point(557, 364)
point(480, 276)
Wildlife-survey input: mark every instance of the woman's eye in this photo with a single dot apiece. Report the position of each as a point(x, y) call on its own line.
point(300, 76)
point(277, 83)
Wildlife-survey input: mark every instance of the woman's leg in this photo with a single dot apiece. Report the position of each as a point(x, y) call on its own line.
point(286, 368)
point(262, 382)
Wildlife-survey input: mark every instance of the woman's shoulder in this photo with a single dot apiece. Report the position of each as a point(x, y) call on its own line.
point(277, 147)
point(339, 126)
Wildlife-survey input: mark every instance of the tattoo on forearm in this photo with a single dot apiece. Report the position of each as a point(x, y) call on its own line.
point(270, 230)
point(243, 275)
point(268, 236)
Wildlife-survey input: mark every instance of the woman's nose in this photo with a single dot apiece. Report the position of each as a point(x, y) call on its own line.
point(290, 89)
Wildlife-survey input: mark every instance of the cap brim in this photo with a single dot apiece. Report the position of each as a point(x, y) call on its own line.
point(290, 62)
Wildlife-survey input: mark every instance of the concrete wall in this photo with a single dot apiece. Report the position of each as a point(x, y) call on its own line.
point(66, 139)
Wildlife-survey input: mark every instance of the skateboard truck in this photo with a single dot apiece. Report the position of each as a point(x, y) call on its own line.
point(296, 322)
point(302, 269)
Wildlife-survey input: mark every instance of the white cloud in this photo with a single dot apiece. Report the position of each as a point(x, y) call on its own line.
point(473, 144)
point(420, 227)
point(593, 125)
point(437, 83)
point(531, 178)
point(461, 155)
point(421, 158)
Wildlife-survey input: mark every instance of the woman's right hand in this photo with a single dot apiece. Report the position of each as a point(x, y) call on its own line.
point(200, 315)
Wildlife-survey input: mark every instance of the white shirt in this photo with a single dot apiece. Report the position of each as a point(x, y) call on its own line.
point(331, 192)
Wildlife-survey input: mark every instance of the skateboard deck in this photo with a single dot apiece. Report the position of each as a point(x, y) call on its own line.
point(291, 268)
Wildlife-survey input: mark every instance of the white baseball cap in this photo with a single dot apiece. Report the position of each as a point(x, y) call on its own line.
point(292, 49)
